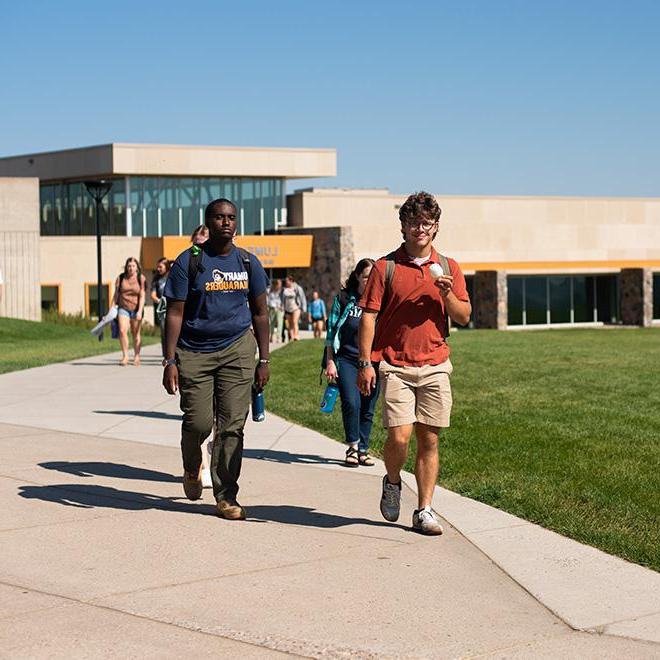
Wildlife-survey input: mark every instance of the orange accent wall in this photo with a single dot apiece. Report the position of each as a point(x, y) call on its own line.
point(273, 251)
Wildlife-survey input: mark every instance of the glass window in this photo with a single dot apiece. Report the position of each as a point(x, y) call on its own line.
point(607, 298)
point(168, 203)
point(251, 206)
point(536, 299)
point(114, 205)
point(583, 298)
point(560, 299)
point(656, 295)
point(91, 299)
point(47, 212)
point(137, 204)
point(189, 196)
point(515, 300)
point(50, 298)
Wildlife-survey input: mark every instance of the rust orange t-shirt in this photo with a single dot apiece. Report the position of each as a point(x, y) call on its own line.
point(411, 327)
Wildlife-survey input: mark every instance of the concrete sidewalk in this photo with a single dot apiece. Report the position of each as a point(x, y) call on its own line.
point(102, 556)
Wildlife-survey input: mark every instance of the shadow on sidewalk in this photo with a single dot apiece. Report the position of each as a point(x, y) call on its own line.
point(114, 470)
point(153, 414)
point(89, 497)
point(286, 457)
point(82, 496)
point(115, 363)
point(302, 515)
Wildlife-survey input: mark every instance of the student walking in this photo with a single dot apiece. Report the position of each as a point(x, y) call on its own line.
point(129, 298)
point(158, 297)
point(413, 291)
point(317, 314)
point(215, 293)
point(357, 409)
point(295, 303)
point(275, 311)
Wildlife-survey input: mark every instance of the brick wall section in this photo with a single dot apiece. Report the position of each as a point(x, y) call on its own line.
point(332, 260)
point(490, 299)
point(636, 296)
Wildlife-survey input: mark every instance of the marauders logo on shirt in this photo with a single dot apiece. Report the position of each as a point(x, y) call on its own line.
point(227, 281)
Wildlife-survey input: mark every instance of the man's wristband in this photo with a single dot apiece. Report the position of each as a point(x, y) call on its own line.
point(264, 361)
point(363, 364)
point(169, 363)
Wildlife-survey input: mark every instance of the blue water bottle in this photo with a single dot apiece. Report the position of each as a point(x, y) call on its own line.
point(258, 404)
point(329, 398)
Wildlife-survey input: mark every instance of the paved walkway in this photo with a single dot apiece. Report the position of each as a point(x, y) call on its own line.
point(103, 557)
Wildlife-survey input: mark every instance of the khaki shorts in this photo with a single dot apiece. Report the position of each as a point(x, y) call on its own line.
point(416, 394)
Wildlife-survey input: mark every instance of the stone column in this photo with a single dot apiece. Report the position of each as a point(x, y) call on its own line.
point(489, 302)
point(636, 287)
point(332, 260)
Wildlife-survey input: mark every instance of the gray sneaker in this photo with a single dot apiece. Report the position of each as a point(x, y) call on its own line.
point(390, 500)
point(425, 522)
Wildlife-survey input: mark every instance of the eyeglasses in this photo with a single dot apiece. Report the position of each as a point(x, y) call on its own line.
point(424, 225)
point(224, 216)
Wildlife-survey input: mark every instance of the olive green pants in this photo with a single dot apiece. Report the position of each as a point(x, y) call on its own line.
point(217, 384)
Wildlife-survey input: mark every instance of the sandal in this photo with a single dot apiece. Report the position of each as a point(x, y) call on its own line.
point(365, 459)
point(351, 459)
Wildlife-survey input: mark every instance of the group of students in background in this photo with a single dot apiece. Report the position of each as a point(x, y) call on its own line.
point(288, 307)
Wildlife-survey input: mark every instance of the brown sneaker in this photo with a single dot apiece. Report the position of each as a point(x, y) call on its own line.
point(230, 510)
point(192, 484)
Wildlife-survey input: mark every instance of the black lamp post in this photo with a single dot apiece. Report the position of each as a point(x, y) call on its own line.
point(98, 190)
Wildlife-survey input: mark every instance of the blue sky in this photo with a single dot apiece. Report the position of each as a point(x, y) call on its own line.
point(511, 97)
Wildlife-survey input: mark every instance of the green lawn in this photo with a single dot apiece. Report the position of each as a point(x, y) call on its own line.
point(25, 344)
point(560, 427)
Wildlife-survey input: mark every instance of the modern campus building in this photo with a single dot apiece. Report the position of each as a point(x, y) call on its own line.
point(530, 261)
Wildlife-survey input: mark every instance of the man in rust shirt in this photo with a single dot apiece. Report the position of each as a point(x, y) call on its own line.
point(412, 299)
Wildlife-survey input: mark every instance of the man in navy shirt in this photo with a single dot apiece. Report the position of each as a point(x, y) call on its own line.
point(212, 304)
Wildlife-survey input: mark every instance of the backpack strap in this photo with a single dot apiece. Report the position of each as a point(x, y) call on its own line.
point(195, 266)
point(390, 266)
point(245, 258)
point(445, 271)
point(445, 264)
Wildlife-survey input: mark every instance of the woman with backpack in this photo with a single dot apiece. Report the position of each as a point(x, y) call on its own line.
point(129, 298)
point(157, 297)
point(341, 346)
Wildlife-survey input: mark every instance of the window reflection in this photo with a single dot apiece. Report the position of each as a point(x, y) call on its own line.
point(167, 206)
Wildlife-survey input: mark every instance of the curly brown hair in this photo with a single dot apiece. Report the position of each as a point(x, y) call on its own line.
point(420, 205)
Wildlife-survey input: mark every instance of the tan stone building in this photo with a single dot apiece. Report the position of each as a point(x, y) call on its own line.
point(159, 192)
point(529, 260)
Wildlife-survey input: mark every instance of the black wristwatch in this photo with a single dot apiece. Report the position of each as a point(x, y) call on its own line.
point(363, 364)
point(169, 363)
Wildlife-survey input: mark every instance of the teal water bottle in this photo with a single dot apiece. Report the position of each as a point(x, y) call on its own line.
point(258, 405)
point(329, 398)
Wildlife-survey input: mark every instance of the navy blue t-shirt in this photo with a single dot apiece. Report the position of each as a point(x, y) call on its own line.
point(216, 313)
point(348, 333)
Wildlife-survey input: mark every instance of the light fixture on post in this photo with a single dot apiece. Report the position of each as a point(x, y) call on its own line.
point(98, 190)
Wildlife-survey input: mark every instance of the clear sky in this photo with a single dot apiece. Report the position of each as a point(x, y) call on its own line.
point(511, 97)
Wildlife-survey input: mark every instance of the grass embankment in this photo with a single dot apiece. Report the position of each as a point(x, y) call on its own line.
point(560, 427)
point(25, 344)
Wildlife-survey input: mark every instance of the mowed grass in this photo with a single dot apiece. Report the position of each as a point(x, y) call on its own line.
point(560, 427)
point(25, 344)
